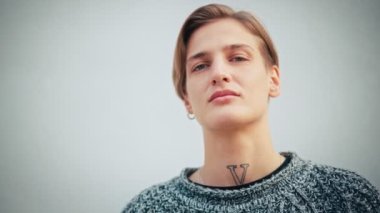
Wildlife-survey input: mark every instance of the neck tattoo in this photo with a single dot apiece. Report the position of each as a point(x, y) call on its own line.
point(238, 181)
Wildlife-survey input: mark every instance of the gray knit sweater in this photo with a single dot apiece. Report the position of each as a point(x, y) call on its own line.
point(301, 186)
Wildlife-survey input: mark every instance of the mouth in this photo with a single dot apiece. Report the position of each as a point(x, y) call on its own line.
point(222, 93)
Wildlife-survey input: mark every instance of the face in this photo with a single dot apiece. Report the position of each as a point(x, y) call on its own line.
point(228, 82)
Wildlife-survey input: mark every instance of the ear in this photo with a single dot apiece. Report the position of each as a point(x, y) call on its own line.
point(274, 81)
point(187, 104)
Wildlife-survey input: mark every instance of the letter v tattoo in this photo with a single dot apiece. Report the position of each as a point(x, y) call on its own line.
point(238, 181)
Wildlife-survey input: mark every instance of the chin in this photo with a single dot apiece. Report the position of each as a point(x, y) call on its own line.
point(224, 121)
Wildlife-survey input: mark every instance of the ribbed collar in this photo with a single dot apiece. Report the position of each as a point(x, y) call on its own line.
point(194, 194)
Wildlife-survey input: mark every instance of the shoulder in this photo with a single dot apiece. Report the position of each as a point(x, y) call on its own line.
point(151, 198)
point(349, 187)
point(343, 179)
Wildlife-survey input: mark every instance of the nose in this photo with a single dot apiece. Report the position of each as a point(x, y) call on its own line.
point(220, 73)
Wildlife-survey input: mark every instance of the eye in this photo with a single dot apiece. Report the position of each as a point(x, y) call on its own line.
point(200, 67)
point(238, 59)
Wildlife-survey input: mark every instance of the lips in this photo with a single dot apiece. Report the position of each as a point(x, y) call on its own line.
point(222, 93)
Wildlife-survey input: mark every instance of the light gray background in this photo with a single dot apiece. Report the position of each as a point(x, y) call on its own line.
point(88, 113)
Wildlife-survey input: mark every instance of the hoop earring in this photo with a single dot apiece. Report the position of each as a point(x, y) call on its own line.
point(190, 116)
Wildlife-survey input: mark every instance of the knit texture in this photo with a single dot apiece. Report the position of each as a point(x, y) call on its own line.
point(302, 186)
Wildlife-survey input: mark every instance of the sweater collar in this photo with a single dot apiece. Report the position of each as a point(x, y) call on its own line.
point(192, 192)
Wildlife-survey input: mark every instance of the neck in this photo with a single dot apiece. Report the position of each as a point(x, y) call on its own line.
point(237, 156)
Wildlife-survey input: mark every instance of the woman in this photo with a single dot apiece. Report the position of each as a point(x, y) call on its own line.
point(225, 70)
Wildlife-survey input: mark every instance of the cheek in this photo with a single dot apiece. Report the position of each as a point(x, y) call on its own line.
point(197, 85)
point(193, 91)
point(256, 78)
point(257, 86)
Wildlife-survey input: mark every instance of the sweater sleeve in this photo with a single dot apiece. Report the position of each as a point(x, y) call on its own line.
point(152, 199)
point(358, 193)
point(134, 206)
point(141, 202)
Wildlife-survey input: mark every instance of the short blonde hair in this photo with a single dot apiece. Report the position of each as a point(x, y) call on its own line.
point(205, 15)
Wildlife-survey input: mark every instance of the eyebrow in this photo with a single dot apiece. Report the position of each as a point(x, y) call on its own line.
point(238, 46)
point(229, 47)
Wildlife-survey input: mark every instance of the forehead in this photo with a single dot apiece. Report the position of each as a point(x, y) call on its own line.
point(220, 33)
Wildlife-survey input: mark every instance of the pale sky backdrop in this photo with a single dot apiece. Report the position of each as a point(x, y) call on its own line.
point(89, 116)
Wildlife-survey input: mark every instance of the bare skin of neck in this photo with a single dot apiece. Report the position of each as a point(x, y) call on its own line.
point(237, 156)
